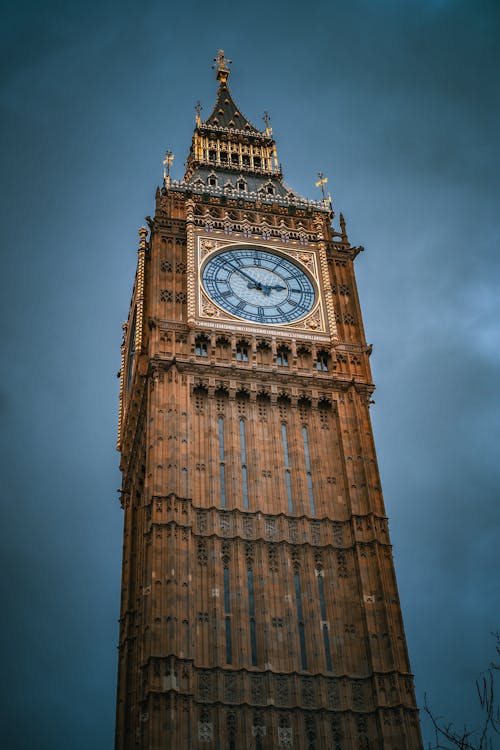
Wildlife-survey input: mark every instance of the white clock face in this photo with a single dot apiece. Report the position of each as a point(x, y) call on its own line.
point(258, 285)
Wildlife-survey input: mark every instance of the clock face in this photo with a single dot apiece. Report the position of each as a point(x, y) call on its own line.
point(258, 285)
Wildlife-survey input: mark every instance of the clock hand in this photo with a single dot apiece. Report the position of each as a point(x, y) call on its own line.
point(267, 289)
point(256, 284)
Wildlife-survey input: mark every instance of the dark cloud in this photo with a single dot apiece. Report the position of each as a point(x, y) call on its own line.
point(398, 103)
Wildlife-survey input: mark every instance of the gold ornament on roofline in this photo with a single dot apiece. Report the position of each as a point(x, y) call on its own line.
point(167, 164)
point(223, 64)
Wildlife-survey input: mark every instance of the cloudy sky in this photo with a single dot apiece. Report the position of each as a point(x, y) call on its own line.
point(398, 103)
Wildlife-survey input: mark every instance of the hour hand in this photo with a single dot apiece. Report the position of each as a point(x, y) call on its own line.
point(277, 288)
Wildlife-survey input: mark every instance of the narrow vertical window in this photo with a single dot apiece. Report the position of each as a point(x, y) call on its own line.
point(243, 450)
point(305, 438)
point(242, 353)
point(324, 626)
point(227, 617)
point(251, 614)
point(288, 479)
point(322, 362)
point(131, 352)
point(282, 357)
point(222, 463)
point(300, 621)
point(201, 347)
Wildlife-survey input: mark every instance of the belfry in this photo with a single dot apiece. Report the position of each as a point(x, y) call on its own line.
point(259, 605)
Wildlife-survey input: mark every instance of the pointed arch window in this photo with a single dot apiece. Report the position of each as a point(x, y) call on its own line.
point(227, 615)
point(243, 452)
point(324, 623)
point(305, 439)
point(251, 614)
point(300, 621)
point(222, 462)
point(288, 477)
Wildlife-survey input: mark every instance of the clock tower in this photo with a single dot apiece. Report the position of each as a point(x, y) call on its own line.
point(259, 606)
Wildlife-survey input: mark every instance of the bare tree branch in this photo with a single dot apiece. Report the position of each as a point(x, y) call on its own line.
point(476, 739)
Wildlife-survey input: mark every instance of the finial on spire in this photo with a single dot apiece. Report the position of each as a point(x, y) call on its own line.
point(223, 64)
point(327, 198)
point(267, 120)
point(322, 180)
point(198, 109)
point(342, 228)
point(167, 163)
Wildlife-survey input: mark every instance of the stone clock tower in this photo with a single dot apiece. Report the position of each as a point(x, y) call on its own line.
point(259, 606)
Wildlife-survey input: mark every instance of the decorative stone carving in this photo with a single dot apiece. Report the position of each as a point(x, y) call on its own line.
point(202, 554)
point(307, 688)
point(205, 686)
point(257, 689)
point(282, 690)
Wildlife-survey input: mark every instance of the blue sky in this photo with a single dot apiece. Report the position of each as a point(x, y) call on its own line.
point(398, 104)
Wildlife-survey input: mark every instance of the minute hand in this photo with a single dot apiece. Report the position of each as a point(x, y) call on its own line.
point(246, 275)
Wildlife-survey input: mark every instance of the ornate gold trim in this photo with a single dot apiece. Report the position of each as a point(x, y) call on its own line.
point(205, 308)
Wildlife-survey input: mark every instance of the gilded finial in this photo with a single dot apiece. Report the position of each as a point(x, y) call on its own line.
point(198, 109)
point(223, 64)
point(167, 163)
point(267, 120)
point(322, 180)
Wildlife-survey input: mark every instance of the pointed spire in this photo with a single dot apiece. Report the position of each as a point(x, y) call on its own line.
point(225, 113)
point(342, 228)
point(221, 141)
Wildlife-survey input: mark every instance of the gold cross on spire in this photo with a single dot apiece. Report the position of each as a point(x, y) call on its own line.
point(198, 109)
point(223, 64)
point(267, 120)
point(322, 180)
point(167, 163)
point(327, 198)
